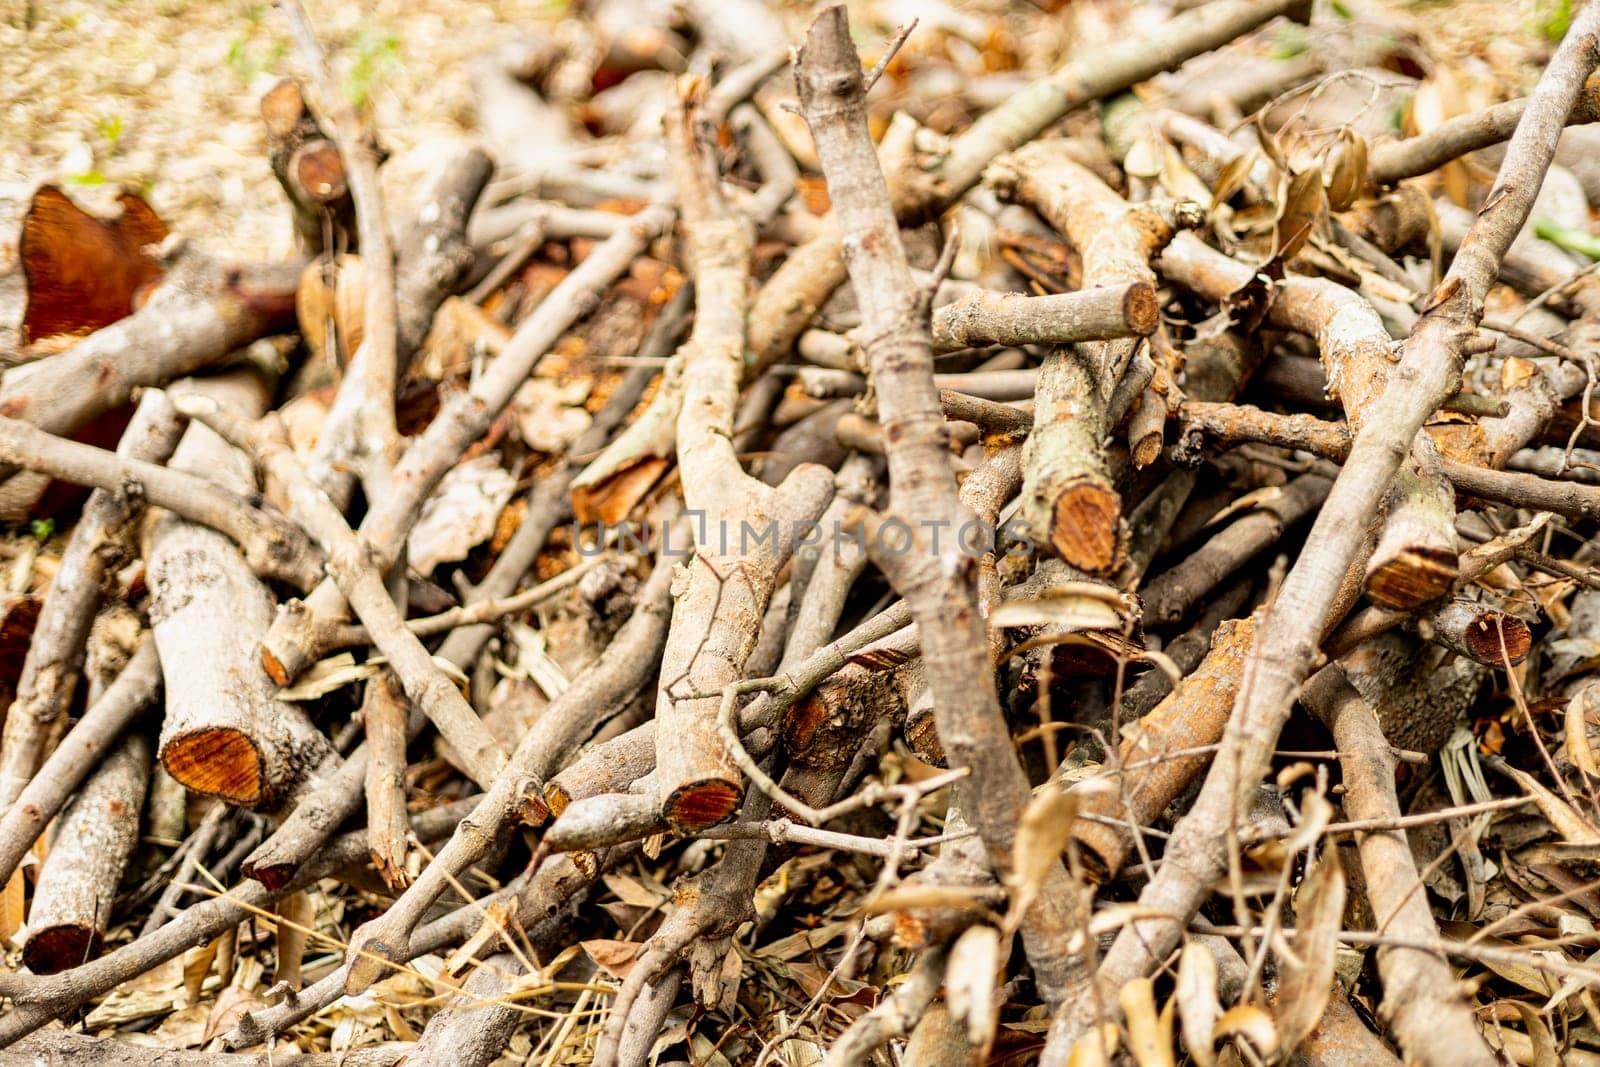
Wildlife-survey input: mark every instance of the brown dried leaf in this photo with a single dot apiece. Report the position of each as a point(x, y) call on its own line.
point(1251, 1023)
point(616, 958)
point(1042, 834)
point(233, 1003)
point(82, 272)
point(297, 913)
point(11, 907)
point(18, 616)
point(1198, 1006)
point(1149, 1033)
point(461, 513)
point(1306, 976)
point(1345, 169)
point(1232, 178)
point(1573, 827)
point(611, 500)
point(1544, 1045)
point(970, 982)
point(332, 295)
point(1300, 208)
point(1583, 706)
point(197, 966)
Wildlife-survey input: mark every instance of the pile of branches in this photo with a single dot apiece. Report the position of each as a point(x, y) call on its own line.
point(814, 561)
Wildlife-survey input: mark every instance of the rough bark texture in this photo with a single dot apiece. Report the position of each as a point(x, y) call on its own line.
point(718, 612)
point(225, 733)
point(1068, 497)
point(50, 671)
point(94, 838)
point(789, 300)
point(1428, 371)
point(937, 583)
point(1420, 1000)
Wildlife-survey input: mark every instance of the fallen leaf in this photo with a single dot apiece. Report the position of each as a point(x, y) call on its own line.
point(616, 958)
point(461, 513)
point(970, 982)
point(83, 272)
point(1583, 706)
point(1149, 1033)
point(1198, 1006)
point(1250, 1023)
point(1042, 834)
point(326, 675)
point(1306, 974)
point(298, 914)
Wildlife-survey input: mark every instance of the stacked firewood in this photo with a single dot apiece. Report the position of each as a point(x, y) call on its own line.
point(961, 564)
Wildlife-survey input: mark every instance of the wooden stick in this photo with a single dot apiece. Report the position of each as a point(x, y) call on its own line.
point(1429, 370)
point(226, 733)
point(200, 315)
point(717, 616)
point(922, 484)
point(300, 633)
point(786, 304)
point(76, 757)
point(94, 838)
point(101, 537)
point(1068, 498)
point(272, 546)
point(377, 361)
point(354, 570)
point(1433, 1023)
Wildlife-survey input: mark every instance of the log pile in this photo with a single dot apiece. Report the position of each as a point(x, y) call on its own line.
point(890, 549)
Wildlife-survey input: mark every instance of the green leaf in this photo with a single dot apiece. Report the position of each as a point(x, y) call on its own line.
point(1554, 19)
point(1290, 41)
point(42, 528)
point(1579, 241)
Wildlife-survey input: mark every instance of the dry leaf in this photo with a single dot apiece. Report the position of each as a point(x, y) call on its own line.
point(1149, 1033)
point(298, 914)
point(1232, 177)
point(82, 272)
point(1074, 612)
point(1573, 827)
point(329, 674)
point(461, 513)
point(1544, 1045)
point(632, 891)
point(550, 413)
point(1345, 169)
point(12, 910)
point(616, 958)
point(1198, 1006)
point(460, 330)
point(1584, 705)
point(332, 294)
point(1042, 834)
point(1306, 975)
point(970, 982)
point(233, 1003)
point(1251, 1023)
point(197, 967)
point(1299, 209)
